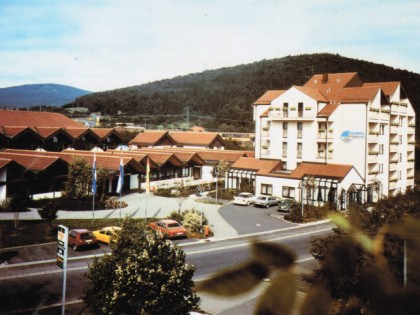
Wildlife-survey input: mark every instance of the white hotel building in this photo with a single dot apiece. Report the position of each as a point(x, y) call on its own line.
point(335, 139)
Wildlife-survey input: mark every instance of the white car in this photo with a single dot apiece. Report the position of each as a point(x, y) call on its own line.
point(244, 198)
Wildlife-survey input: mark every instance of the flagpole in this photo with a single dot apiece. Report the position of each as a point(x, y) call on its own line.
point(120, 184)
point(93, 188)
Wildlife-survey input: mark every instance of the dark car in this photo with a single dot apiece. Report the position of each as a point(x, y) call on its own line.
point(284, 205)
point(81, 238)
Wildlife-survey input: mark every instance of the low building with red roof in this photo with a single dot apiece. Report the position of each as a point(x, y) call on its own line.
point(51, 131)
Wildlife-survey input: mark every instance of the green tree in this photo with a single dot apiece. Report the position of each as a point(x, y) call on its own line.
point(48, 213)
point(145, 274)
point(79, 178)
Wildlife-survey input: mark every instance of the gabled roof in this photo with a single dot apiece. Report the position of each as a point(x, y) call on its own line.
point(387, 87)
point(76, 133)
point(36, 119)
point(312, 93)
point(4, 162)
point(151, 138)
point(46, 132)
point(261, 167)
point(268, 97)
point(338, 171)
point(31, 161)
point(353, 95)
point(184, 156)
point(328, 82)
point(328, 110)
point(196, 138)
point(105, 132)
point(103, 160)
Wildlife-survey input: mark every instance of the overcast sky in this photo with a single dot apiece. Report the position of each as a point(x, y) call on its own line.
point(107, 44)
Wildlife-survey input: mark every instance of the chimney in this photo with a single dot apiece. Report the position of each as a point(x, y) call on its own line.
point(324, 77)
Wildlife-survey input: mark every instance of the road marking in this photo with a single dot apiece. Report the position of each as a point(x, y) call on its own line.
point(247, 244)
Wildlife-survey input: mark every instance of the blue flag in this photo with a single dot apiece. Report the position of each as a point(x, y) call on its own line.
point(121, 178)
point(94, 175)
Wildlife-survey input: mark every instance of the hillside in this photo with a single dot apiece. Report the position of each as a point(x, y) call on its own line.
point(221, 99)
point(38, 94)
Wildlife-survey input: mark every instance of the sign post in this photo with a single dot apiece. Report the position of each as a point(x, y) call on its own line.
point(62, 245)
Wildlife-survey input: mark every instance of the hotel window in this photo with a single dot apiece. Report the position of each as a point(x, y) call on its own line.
point(266, 189)
point(288, 192)
point(381, 168)
point(300, 109)
point(284, 149)
point(400, 139)
point(381, 149)
point(285, 109)
point(299, 129)
point(400, 157)
point(382, 129)
point(285, 126)
point(401, 121)
point(299, 150)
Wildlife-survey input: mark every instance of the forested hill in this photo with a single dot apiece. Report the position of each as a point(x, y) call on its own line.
point(221, 99)
point(38, 94)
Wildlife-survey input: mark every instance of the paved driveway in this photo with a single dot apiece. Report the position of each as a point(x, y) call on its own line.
point(250, 219)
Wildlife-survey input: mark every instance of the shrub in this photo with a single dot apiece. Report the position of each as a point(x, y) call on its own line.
point(114, 203)
point(193, 221)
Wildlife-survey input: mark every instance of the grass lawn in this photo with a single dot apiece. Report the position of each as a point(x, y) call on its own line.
point(31, 232)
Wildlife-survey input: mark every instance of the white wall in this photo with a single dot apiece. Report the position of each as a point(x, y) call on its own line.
point(352, 150)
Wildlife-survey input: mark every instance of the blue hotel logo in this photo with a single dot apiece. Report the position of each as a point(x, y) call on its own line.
point(347, 135)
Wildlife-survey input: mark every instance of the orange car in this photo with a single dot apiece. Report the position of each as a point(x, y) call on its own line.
point(169, 228)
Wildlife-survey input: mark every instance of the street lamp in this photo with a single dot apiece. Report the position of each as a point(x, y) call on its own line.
point(301, 187)
point(216, 172)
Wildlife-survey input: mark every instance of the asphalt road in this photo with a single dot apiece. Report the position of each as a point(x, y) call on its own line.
point(36, 288)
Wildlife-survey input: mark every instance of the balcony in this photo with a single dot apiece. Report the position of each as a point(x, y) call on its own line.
point(373, 137)
point(393, 166)
point(393, 148)
point(292, 115)
point(393, 183)
point(394, 128)
point(265, 151)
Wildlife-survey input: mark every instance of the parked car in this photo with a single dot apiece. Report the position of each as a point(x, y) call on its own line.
point(81, 238)
point(107, 234)
point(169, 228)
point(284, 205)
point(265, 201)
point(244, 198)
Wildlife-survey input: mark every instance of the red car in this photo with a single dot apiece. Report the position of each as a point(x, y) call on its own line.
point(80, 238)
point(169, 228)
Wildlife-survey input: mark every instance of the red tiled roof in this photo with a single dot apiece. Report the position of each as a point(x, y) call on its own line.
point(312, 93)
point(333, 81)
point(353, 95)
point(149, 137)
point(36, 119)
point(327, 110)
point(262, 167)
point(76, 133)
point(11, 132)
point(268, 96)
point(4, 162)
point(103, 160)
point(387, 87)
point(31, 161)
point(195, 138)
point(321, 170)
point(46, 132)
point(104, 132)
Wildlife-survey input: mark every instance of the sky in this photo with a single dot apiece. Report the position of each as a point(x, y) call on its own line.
point(99, 45)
